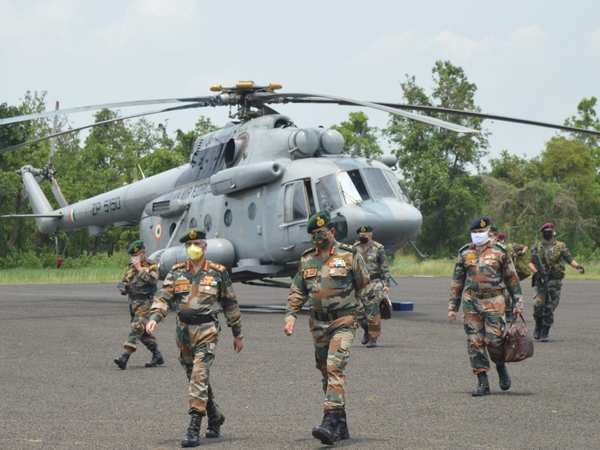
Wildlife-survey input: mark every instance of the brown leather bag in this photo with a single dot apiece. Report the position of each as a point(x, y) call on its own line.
point(517, 344)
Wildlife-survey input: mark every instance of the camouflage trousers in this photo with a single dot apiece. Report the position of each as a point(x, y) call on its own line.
point(197, 344)
point(373, 295)
point(139, 318)
point(332, 352)
point(544, 306)
point(485, 326)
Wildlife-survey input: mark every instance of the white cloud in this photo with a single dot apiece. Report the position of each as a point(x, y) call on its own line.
point(460, 46)
point(529, 35)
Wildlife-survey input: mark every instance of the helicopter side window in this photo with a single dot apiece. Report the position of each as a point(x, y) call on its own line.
point(328, 194)
point(378, 183)
point(396, 186)
point(295, 202)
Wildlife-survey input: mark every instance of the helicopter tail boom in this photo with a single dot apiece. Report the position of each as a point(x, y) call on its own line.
point(46, 218)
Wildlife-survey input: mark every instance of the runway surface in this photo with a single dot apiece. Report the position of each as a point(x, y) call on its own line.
point(60, 389)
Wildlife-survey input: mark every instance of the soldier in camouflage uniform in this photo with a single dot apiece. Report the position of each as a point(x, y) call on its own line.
point(327, 275)
point(373, 254)
point(553, 254)
point(519, 255)
point(198, 289)
point(481, 275)
point(139, 284)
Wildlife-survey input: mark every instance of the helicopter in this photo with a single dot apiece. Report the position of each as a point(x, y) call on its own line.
point(251, 185)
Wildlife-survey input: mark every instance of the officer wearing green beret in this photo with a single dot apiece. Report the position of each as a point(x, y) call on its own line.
point(197, 290)
point(373, 253)
point(139, 284)
point(482, 274)
point(331, 278)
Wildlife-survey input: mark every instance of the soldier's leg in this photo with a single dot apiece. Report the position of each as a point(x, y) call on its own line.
point(214, 414)
point(321, 341)
point(550, 305)
point(130, 345)
point(373, 313)
point(199, 380)
point(186, 356)
point(538, 313)
point(475, 331)
point(337, 358)
point(495, 333)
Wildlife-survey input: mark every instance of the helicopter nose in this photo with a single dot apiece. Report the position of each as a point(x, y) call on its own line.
point(394, 222)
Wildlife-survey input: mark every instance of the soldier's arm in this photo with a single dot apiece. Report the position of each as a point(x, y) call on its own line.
point(458, 284)
point(567, 257)
point(230, 306)
point(361, 277)
point(123, 285)
point(163, 299)
point(511, 279)
point(384, 266)
point(297, 297)
point(149, 273)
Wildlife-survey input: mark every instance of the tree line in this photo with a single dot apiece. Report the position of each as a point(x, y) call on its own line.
point(441, 172)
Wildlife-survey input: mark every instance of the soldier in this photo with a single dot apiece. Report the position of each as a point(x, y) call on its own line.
point(482, 273)
point(139, 284)
point(547, 264)
point(197, 289)
point(373, 254)
point(327, 275)
point(519, 255)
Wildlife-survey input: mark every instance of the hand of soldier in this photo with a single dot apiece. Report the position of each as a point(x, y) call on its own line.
point(151, 327)
point(580, 269)
point(451, 315)
point(238, 344)
point(518, 308)
point(288, 328)
point(386, 289)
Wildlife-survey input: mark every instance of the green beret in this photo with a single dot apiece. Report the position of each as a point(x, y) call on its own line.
point(135, 246)
point(193, 235)
point(364, 229)
point(318, 220)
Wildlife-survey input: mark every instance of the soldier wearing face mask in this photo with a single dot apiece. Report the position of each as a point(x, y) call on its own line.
point(198, 289)
point(482, 274)
point(139, 284)
point(331, 278)
point(373, 254)
point(547, 264)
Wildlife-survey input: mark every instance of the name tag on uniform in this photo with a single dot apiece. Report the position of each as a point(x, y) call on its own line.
point(310, 272)
point(338, 271)
point(182, 285)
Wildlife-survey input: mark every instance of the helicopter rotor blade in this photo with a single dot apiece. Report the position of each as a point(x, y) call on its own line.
point(314, 98)
point(461, 112)
point(105, 122)
point(45, 114)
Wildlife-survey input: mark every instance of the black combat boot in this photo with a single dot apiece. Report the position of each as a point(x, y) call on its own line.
point(327, 432)
point(364, 325)
point(483, 386)
point(157, 359)
point(544, 333)
point(215, 420)
point(121, 361)
point(342, 428)
point(503, 376)
point(192, 436)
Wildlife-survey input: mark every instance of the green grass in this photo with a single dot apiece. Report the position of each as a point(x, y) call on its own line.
point(111, 273)
point(412, 266)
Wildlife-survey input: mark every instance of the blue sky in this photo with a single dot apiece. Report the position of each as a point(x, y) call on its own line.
point(529, 59)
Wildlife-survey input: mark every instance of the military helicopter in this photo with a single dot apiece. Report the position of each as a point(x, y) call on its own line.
point(251, 185)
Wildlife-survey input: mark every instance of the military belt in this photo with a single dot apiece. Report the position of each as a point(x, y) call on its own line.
point(330, 316)
point(191, 317)
point(485, 293)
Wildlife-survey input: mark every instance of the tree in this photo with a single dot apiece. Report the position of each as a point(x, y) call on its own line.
point(360, 139)
point(436, 164)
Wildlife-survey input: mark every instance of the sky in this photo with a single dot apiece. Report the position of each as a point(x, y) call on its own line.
point(530, 59)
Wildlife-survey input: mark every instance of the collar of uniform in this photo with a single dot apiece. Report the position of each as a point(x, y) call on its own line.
point(331, 250)
point(189, 267)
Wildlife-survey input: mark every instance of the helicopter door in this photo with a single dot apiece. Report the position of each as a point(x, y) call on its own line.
point(298, 204)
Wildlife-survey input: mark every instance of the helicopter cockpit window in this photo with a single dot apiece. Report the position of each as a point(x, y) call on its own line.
point(348, 188)
point(328, 194)
point(395, 186)
point(295, 202)
point(378, 183)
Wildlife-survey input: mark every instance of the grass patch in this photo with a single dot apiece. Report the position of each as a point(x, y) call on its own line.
point(60, 276)
point(408, 265)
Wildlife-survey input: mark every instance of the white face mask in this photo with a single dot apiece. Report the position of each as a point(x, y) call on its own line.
point(480, 238)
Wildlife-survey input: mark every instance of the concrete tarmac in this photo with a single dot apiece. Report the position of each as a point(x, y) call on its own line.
point(59, 388)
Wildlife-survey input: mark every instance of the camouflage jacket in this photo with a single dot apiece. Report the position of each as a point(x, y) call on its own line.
point(140, 286)
point(207, 292)
point(373, 254)
point(483, 270)
point(554, 255)
point(520, 257)
point(328, 284)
